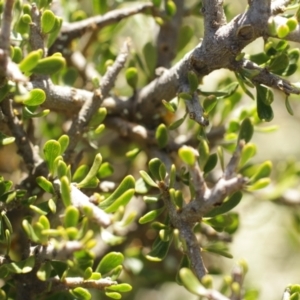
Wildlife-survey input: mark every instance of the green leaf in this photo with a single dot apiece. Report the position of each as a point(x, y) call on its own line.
point(5, 89)
point(17, 55)
point(226, 206)
point(49, 65)
point(90, 180)
point(131, 76)
point(62, 169)
point(203, 150)
point(51, 151)
point(211, 163)
point(6, 140)
point(64, 143)
point(190, 282)
point(121, 201)
point(47, 21)
point(65, 190)
point(22, 267)
point(223, 93)
point(81, 293)
point(44, 271)
point(172, 176)
point(218, 248)
point(59, 267)
point(109, 262)
point(288, 106)
point(148, 179)
point(54, 32)
point(45, 184)
point(150, 56)
point(290, 70)
point(113, 295)
point(249, 150)
point(30, 61)
point(71, 217)
point(264, 111)
point(264, 170)
point(27, 112)
point(209, 103)
point(80, 173)
point(177, 123)
point(259, 58)
point(185, 35)
point(170, 106)
point(128, 183)
point(159, 250)
point(185, 96)
point(294, 55)
point(161, 135)
point(105, 170)
point(279, 63)
point(154, 168)
point(259, 184)
point(243, 81)
point(246, 130)
point(171, 8)
point(193, 81)
point(156, 3)
point(187, 155)
point(151, 215)
point(121, 287)
point(282, 31)
point(29, 231)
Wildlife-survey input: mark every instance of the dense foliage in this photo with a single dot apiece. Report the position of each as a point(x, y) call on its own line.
point(122, 165)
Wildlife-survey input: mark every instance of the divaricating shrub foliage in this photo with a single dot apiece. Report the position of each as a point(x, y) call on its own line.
point(122, 166)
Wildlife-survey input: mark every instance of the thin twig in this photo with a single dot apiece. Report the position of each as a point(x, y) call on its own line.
point(279, 6)
point(5, 39)
point(92, 105)
point(25, 148)
point(214, 16)
point(168, 37)
point(71, 31)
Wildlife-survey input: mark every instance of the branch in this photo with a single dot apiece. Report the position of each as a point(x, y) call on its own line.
point(85, 68)
point(214, 16)
point(293, 36)
point(7, 67)
point(267, 78)
point(168, 37)
point(91, 106)
point(71, 31)
point(25, 147)
point(73, 282)
point(61, 251)
point(81, 201)
point(279, 6)
point(36, 39)
point(186, 233)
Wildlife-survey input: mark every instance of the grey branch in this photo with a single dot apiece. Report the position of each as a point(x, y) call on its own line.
point(63, 251)
point(168, 37)
point(81, 201)
point(214, 16)
point(91, 106)
point(205, 200)
point(279, 6)
point(73, 282)
point(5, 41)
point(36, 39)
point(267, 78)
point(26, 148)
point(71, 31)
